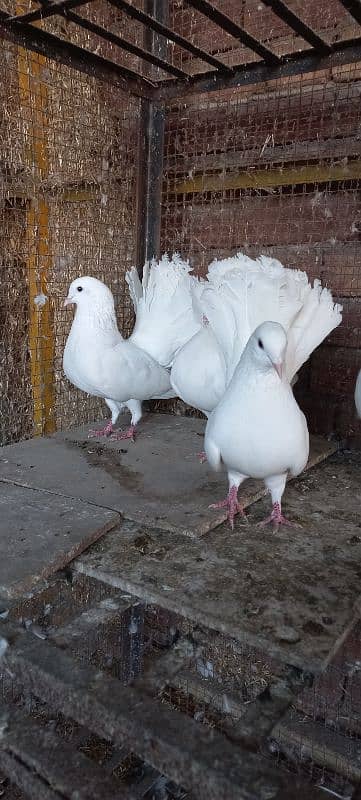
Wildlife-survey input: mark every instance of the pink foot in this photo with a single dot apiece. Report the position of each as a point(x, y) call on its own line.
point(121, 435)
point(106, 431)
point(276, 518)
point(231, 502)
point(201, 456)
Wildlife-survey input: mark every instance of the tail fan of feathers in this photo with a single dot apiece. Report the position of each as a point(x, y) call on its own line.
point(241, 293)
point(166, 317)
point(318, 316)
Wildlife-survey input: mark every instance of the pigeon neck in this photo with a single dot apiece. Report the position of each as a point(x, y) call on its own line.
point(98, 318)
point(256, 372)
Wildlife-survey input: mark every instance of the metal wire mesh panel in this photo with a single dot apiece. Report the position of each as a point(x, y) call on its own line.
point(68, 175)
point(275, 169)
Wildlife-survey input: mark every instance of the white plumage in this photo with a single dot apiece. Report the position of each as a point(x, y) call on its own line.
point(240, 294)
point(125, 372)
point(358, 394)
point(257, 429)
point(262, 316)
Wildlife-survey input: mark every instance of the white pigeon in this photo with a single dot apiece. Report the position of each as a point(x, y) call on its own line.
point(358, 394)
point(240, 294)
point(258, 430)
point(127, 371)
point(260, 415)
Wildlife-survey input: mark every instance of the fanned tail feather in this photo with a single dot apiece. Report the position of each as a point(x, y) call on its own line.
point(318, 316)
point(166, 317)
point(135, 287)
point(242, 293)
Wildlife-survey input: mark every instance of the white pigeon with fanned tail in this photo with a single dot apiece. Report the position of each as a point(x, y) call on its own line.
point(257, 429)
point(240, 293)
point(127, 371)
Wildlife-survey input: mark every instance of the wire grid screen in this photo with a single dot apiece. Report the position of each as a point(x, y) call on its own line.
point(276, 169)
point(317, 738)
point(67, 195)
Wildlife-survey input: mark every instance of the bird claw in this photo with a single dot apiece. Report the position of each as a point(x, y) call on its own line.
point(106, 431)
point(276, 518)
point(121, 435)
point(202, 457)
point(232, 504)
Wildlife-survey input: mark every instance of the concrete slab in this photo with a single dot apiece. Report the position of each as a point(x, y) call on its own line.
point(41, 532)
point(292, 593)
point(157, 480)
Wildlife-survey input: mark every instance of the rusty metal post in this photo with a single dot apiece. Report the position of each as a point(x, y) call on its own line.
point(150, 153)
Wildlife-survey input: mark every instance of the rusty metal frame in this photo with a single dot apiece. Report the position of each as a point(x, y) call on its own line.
point(354, 8)
point(150, 152)
point(321, 55)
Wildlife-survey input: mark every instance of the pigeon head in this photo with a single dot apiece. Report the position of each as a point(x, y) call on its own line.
point(268, 346)
point(89, 293)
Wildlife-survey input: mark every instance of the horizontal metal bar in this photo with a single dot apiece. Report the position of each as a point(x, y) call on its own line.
point(73, 56)
point(125, 44)
point(296, 23)
point(296, 64)
point(49, 10)
point(168, 33)
point(227, 24)
point(200, 759)
point(354, 8)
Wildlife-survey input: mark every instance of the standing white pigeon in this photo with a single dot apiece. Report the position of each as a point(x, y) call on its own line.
point(240, 294)
point(124, 372)
point(258, 430)
point(358, 394)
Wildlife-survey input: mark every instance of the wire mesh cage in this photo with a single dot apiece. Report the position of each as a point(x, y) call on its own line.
point(266, 168)
point(252, 153)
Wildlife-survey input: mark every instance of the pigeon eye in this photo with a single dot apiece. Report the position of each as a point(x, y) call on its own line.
point(79, 288)
point(260, 344)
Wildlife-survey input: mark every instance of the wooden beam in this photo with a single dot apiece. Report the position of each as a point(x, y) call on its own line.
point(258, 179)
point(33, 95)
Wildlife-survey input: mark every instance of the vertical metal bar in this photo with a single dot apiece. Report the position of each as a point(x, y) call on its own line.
point(150, 153)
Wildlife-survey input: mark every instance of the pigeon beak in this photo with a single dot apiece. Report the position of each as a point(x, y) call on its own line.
point(67, 302)
point(278, 368)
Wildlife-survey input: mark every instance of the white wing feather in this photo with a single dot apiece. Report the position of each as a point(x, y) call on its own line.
point(165, 316)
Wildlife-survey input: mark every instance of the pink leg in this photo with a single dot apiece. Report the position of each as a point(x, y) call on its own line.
point(201, 456)
point(128, 434)
point(106, 431)
point(276, 518)
point(232, 504)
